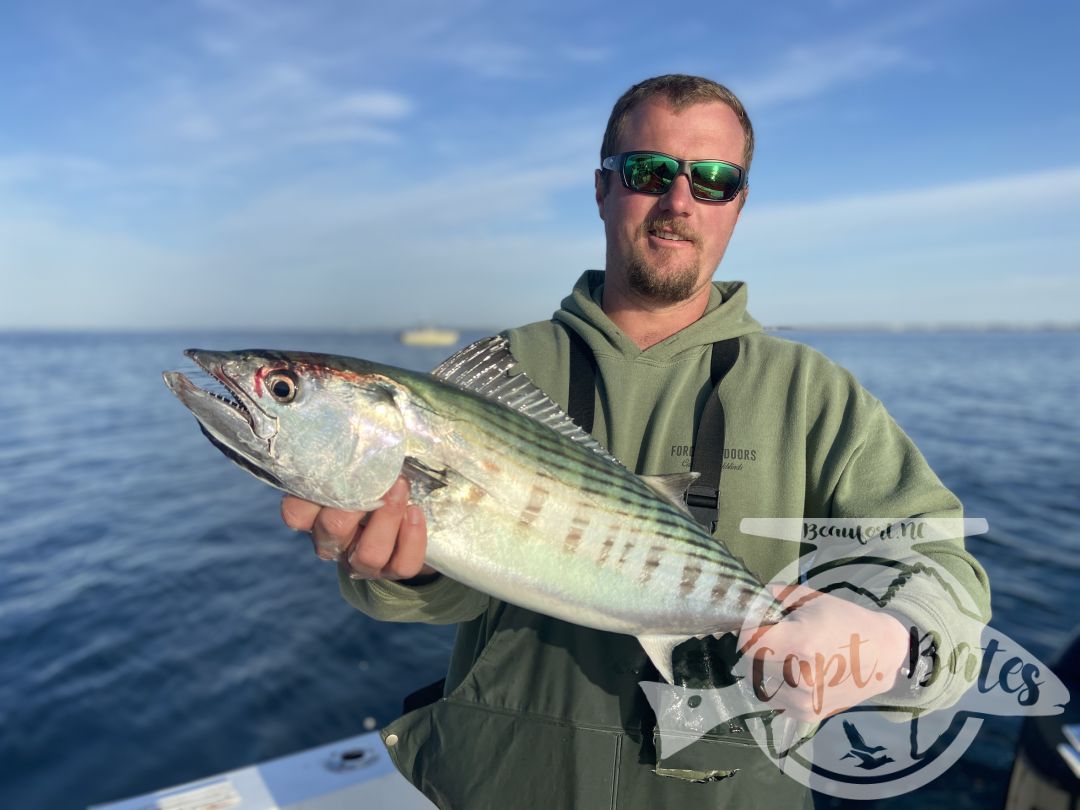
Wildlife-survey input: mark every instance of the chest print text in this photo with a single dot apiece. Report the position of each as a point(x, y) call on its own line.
point(735, 458)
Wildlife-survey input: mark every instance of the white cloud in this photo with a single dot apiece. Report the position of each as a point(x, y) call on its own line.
point(808, 72)
point(589, 54)
point(57, 274)
point(197, 126)
point(378, 105)
point(314, 255)
point(460, 199)
point(490, 59)
point(341, 133)
point(1003, 249)
point(814, 68)
point(37, 167)
point(995, 201)
point(256, 113)
point(61, 276)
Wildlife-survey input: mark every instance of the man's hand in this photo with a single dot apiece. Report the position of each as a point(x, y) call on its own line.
point(826, 656)
point(389, 544)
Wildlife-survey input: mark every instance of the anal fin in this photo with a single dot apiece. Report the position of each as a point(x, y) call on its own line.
point(659, 649)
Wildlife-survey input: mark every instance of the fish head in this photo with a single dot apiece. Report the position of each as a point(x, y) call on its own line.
point(301, 422)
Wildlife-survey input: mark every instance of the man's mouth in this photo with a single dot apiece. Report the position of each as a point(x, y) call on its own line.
point(667, 234)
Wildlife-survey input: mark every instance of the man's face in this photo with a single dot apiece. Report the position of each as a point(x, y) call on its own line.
point(643, 258)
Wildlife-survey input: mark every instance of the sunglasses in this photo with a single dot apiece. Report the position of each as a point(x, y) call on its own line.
point(654, 173)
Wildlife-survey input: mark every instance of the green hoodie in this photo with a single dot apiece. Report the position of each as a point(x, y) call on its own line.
point(535, 708)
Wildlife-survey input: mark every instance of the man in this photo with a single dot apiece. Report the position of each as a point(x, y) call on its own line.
point(537, 711)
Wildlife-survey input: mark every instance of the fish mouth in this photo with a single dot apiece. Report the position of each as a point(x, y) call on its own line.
point(235, 424)
point(231, 410)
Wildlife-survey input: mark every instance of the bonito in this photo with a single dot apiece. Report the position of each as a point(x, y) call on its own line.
point(520, 503)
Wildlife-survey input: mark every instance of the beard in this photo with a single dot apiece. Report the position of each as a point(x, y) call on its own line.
point(666, 288)
point(662, 287)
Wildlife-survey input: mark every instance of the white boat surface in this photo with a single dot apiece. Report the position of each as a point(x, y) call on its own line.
point(354, 773)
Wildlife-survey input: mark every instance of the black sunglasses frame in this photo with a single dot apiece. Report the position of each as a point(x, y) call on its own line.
point(617, 163)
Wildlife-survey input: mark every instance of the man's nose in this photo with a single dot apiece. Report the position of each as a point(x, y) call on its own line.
point(678, 198)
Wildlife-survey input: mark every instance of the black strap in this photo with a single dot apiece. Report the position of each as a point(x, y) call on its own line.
point(703, 498)
point(582, 382)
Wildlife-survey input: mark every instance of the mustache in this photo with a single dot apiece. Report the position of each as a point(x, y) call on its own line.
point(675, 226)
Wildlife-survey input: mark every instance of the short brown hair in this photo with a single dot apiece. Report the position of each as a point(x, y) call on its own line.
point(679, 91)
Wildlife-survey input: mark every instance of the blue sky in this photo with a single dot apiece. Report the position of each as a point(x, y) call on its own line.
point(205, 163)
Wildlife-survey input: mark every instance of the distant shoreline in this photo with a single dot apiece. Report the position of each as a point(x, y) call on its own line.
point(900, 328)
point(886, 328)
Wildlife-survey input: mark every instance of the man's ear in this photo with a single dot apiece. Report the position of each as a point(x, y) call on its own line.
point(601, 190)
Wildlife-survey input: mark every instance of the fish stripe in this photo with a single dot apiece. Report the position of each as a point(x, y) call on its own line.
point(652, 562)
point(537, 498)
point(690, 574)
point(578, 525)
point(608, 544)
point(720, 590)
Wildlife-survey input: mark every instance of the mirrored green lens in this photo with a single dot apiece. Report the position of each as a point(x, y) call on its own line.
point(651, 174)
point(654, 172)
point(713, 180)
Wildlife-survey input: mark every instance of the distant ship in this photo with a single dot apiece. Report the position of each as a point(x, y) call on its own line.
point(429, 336)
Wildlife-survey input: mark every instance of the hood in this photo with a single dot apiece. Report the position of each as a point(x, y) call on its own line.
point(725, 317)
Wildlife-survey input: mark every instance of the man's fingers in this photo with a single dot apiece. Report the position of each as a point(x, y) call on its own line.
point(407, 560)
point(333, 531)
point(375, 543)
point(298, 514)
point(390, 545)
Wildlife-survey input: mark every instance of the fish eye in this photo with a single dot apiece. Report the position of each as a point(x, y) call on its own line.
point(282, 386)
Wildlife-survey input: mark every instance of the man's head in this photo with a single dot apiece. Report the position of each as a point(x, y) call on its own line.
point(665, 248)
point(679, 91)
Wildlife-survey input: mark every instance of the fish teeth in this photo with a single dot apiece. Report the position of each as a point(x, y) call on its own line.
point(230, 400)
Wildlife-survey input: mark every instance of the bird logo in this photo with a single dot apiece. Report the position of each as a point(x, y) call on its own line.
point(862, 751)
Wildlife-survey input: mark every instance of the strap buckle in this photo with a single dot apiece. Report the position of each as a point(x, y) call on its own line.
point(704, 504)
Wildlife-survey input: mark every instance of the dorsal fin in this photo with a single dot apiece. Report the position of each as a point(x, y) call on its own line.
point(486, 368)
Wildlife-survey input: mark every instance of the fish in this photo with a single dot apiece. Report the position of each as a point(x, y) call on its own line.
point(520, 503)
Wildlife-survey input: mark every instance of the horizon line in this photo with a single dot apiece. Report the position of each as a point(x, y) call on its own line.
point(897, 327)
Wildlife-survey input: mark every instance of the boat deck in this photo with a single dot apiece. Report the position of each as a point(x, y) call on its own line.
point(353, 773)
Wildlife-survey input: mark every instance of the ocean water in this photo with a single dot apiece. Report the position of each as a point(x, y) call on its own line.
point(158, 622)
